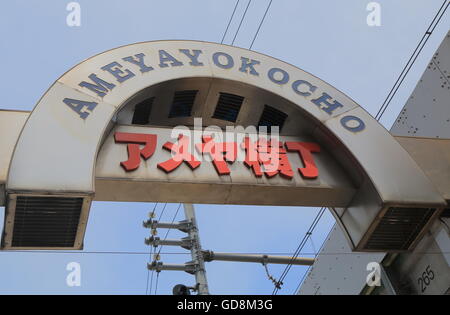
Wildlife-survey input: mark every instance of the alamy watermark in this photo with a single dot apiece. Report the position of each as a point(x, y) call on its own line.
point(374, 17)
point(374, 277)
point(73, 19)
point(73, 279)
point(239, 135)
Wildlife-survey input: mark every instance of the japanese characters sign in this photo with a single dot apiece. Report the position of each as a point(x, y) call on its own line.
point(258, 163)
point(264, 155)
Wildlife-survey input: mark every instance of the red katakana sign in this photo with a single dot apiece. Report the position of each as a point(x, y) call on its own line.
point(180, 153)
point(134, 141)
point(221, 153)
point(262, 156)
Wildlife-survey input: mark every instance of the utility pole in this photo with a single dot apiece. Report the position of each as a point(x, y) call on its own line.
point(196, 251)
point(196, 266)
point(192, 242)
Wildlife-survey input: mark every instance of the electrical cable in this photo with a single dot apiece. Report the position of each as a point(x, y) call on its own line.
point(242, 19)
point(315, 256)
point(62, 252)
point(260, 24)
point(148, 273)
point(380, 113)
point(229, 22)
point(168, 230)
point(300, 247)
point(160, 248)
point(151, 251)
point(157, 282)
point(406, 70)
point(162, 212)
point(412, 59)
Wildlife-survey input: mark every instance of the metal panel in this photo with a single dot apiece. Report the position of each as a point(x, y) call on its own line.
point(337, 269)
point(415, 186)
point(433, 157)
point(45, 222)
point(424, 271)
point(427, 112)
point(11, 123)
point(45, 157)
point(443, 240)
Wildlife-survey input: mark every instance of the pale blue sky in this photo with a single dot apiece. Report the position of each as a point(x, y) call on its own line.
point(328, 38)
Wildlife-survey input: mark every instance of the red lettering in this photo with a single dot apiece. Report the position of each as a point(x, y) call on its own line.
point(305, 150)
point(221, 153)
point(268, 157)
point(134, 141)
point(180, 154)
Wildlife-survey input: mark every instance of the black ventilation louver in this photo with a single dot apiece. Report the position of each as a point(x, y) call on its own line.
point(46, 222)
point(142, 112)
point(272, 117)
point(399, 228)
point(446, 213)
point(228, 107)
point(182, 103)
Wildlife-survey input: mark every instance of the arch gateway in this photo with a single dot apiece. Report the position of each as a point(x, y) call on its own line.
point(105, 131)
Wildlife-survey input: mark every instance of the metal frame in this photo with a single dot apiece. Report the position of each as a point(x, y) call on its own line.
point(382, 168)
point(9, 222)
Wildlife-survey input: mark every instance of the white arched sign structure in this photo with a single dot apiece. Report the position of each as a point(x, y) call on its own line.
point(70, 148)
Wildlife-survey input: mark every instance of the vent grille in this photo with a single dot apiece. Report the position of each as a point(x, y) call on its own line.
point(446, 213)
point(398, 228)
point(272, 117)
point(228, 107)
point(142, 112)
point(46, 221)
point(182, 103)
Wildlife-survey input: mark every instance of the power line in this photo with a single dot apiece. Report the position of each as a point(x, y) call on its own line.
point(165, 237)
point(403, 75)
point(300, 246)
point(151, 254)
point(412, 59)
point(229, 22)
point(242, 19)
point(192, 242)
point(157, 281)
point(315, 256)
point(162, 212)
point(148, 274)
point(381, 111)
point(131, 253)
point(168, 230)
point(260, 24)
